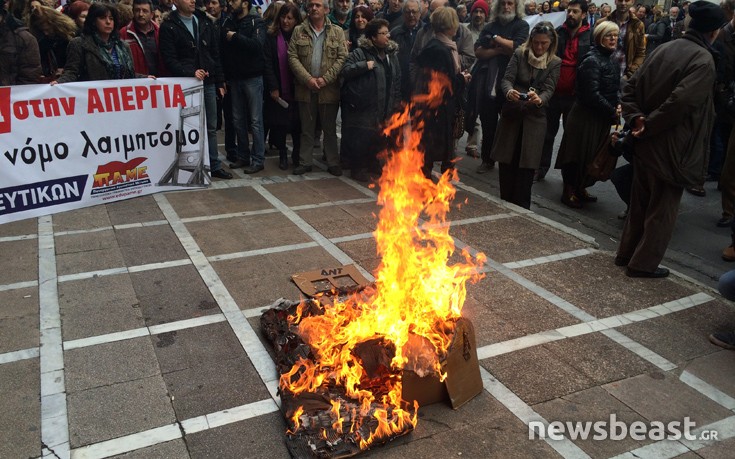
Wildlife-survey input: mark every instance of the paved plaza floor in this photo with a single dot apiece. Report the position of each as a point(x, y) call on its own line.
point(132, 329)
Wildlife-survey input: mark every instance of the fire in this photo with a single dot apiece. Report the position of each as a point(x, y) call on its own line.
point(409, 313)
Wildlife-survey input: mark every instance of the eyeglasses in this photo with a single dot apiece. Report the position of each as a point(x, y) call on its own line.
point(611, 35)
point(314, 5)
point(411, 12)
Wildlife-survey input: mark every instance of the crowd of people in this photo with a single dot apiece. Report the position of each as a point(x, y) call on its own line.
point(297, 67)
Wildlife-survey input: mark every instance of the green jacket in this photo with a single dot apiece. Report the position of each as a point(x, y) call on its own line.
point(334, 53)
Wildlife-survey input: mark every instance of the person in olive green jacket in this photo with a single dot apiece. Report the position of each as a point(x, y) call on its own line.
point(316, 53)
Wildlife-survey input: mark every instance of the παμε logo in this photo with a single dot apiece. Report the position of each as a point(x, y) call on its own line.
point(118, 175)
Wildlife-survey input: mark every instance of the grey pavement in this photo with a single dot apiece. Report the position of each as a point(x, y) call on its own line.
point(131, 329)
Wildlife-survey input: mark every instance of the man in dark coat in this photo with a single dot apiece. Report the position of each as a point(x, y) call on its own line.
point(575, 38)
point(498, 40)
point(242, 37)
point(404, 35)
point(668, 103)
point(188, 46)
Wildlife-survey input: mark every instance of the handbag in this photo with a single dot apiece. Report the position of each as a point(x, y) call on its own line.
point(604, 161)
point(458, 123)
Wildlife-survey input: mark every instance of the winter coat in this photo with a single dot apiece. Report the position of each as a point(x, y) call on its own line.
point(369, 96)
point(673, 91)
point(593, 112)
point(84, 61)
point(20, 61)
point(404, 38)
point(130, 36)
point(635, 44)
point(182, 56)
point(242, 56)
point(656, 34)
point(598, 82)
point(274, 114)
point(530, 128)
point(437, 140)
point(334, 53)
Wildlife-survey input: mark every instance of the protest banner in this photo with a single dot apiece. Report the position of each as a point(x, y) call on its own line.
point(75, 145)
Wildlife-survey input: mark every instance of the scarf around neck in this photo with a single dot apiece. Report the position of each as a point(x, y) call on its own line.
point(121, 69)
point(449, 43)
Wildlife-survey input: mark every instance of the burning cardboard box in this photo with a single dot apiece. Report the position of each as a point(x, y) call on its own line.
point(355, 368)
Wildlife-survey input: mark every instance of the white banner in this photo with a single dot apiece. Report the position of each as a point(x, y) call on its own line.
point(80, 144)
point(557, 18)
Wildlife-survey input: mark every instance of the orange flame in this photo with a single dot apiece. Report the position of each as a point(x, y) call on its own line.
point(416, 292)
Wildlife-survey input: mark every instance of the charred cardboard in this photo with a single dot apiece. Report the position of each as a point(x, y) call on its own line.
point(341, 279)
point(463, 381)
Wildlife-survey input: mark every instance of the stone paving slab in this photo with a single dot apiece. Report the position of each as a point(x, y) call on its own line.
point(152, 347)
point(19, 319)
point(20, 409)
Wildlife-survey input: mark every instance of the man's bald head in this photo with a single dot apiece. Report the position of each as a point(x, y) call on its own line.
point(437, 4)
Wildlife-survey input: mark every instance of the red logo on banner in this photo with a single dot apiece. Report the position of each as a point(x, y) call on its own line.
point(4, 110)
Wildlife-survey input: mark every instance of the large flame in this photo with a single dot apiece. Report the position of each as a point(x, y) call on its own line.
point(416, 297)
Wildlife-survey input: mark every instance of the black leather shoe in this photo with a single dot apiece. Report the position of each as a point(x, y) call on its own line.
point(300, 170)
point(253, 169)
point(657, 274)
point(724, 222)
point(335, 170)
point(621, 261)
point(221, 174)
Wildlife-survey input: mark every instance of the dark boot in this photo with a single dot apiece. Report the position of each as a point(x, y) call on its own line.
point(570, 198)
point(283, 160)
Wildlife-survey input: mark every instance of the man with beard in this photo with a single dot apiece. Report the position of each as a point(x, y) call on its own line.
point(668, 103)
point(404, 35)
point(341, 15)
point(574, 42)
point(142, 37)
point(632, 42)
point(242, 37)
point(394, 13)
point(496, 44)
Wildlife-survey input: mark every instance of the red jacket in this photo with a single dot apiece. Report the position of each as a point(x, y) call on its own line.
point(130, 35)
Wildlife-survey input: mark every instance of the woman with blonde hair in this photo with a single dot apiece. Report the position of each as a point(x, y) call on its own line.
point(596, 108)
point(528, 84)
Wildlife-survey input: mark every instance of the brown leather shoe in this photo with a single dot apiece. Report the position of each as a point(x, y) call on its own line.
point(728, 254)
point(570, 198)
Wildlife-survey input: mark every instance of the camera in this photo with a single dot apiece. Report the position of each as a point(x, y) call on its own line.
point(523, 96)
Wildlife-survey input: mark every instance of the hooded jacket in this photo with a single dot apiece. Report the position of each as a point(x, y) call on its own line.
point(369, 96)
point(20, 61)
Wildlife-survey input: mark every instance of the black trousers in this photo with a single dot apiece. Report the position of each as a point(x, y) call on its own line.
point(489, 114)
point(516, 182)
point(559, 106)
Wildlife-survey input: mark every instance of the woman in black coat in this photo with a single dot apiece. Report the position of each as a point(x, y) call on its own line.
point(595, 110)
point(371, 88)
point(280, 110)
point(440, 55)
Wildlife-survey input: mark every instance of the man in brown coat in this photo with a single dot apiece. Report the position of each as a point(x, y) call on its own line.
point(20, 62)
point(669, 106)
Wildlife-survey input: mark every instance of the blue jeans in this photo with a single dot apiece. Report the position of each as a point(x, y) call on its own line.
point(210, 108)
point(247, 111)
